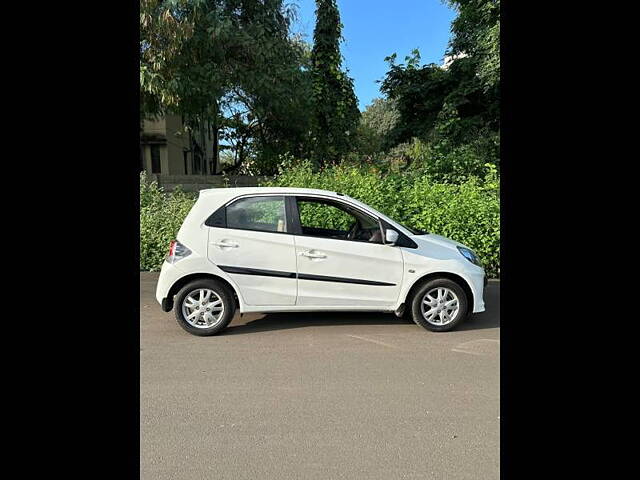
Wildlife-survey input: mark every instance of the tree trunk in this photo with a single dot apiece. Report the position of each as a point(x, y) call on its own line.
point(216, 143)
point(203, 143)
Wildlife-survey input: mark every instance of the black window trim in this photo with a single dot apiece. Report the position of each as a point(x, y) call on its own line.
point(292, 217)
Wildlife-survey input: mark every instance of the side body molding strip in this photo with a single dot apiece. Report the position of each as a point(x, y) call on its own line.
point(302, 276)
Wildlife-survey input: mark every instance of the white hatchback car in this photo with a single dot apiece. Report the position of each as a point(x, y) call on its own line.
point(299, 250)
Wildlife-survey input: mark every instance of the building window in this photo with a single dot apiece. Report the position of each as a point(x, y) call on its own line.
point(155, 158)
point(195, 163)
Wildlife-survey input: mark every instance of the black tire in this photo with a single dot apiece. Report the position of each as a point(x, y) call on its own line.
point(221, 290)
point(416, 303)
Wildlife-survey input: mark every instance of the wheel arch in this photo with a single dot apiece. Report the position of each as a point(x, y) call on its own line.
point(182, 281)
point(448, 275)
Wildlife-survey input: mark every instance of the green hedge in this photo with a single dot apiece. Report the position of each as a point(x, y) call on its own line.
point(467, 212)
point(161, 215)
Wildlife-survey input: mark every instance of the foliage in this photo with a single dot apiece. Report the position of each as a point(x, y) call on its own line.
point(234, 66)
point(161, 215)
point(164, 28)
point(377, 120)
point(448, 163)
point(335, 110)
point(468, 212)
point(476, 33)
point(419, 94)
point(229, 64)
point(454, 109)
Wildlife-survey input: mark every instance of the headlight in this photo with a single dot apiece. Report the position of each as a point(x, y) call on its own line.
point(469, 255)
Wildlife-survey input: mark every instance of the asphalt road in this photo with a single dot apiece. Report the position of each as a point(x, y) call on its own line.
point(326, 396)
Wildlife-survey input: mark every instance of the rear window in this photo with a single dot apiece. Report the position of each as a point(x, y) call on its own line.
point(263, 214)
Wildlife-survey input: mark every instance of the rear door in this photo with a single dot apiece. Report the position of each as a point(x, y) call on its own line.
point(250, 242)
point(341, 257)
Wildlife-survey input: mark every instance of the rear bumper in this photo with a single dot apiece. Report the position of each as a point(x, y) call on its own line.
point(169, 274)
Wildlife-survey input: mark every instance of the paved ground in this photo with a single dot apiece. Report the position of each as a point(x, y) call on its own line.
point(306, 396)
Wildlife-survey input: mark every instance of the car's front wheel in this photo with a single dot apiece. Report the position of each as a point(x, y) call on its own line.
point(204, 307)
point(439, 305)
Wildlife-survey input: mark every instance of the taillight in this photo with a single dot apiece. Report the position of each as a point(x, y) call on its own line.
point(177, 251)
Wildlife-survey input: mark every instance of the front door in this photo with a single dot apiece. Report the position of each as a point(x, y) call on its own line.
point(255, 249)
point(341, 257)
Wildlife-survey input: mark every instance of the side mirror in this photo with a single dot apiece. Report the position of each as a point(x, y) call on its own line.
point(391, 237)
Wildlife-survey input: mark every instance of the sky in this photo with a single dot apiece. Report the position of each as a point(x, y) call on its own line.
point(374, 29)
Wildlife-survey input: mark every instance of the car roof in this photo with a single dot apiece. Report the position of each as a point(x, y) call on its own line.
point(237, 191)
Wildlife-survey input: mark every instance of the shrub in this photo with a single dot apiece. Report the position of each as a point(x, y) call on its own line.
point(161, 215)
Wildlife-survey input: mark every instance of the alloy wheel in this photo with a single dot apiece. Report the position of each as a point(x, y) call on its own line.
point(440, 306)
point(202, 308)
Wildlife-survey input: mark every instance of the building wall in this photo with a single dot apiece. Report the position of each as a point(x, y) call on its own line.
point(174, 141)
point(157, 126)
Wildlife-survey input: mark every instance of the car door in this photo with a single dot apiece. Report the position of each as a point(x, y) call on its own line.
point(250, 242)
point(335, 270)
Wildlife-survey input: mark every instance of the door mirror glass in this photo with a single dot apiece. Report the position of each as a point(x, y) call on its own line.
point(391, 236)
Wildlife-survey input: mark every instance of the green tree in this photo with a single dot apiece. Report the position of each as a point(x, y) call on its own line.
point(419, 94)
point(454, 109)
point(164, 28)
point(335, 109)
point(376, 122)
point(276, 109)
point(476, 34)
point(203, 58)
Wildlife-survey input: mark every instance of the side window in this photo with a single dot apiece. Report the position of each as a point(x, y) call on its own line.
point(321, 218)
point(321, 215)
point(263, 214)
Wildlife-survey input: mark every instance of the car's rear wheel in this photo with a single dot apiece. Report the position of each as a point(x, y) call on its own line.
point(204, 307)
point(439, 305)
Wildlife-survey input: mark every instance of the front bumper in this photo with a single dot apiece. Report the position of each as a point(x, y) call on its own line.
point(477, 281)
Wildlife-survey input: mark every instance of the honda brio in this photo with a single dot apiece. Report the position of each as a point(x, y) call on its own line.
point(304, 250)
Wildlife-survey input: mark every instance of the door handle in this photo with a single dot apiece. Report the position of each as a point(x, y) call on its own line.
point(226, 243)
point(307, 253)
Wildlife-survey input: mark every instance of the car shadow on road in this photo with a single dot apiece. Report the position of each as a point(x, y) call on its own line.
point(283, 321)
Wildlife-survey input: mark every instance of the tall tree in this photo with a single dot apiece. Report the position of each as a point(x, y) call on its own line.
point(476, 34)
point(335, 110)
point(200, 58)
point(164, 28)
point(454, 107)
